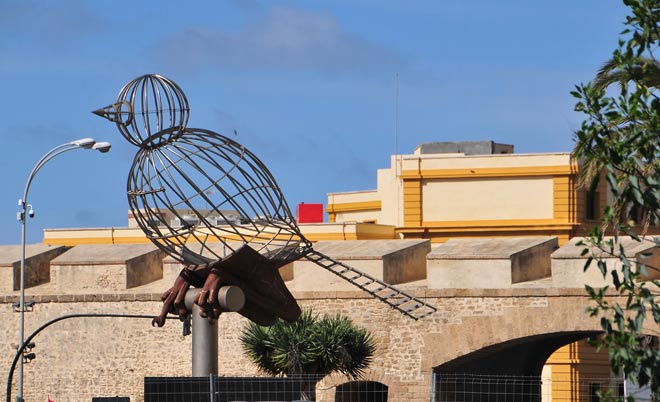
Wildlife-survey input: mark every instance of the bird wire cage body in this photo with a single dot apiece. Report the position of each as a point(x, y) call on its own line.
point(217, 191)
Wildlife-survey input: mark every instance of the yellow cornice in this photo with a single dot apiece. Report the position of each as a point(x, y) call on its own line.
point(76, 241)
point(314, 237)
point(494, 222)
point(313, 232)
point(517, 171)
point(353, 206)
point(491, 226)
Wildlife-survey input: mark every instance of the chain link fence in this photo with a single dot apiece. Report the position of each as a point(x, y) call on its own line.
point(452, 387)
point(447, 387)
point(255, 389)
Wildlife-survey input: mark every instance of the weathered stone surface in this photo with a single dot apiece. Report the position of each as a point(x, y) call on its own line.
point(81, 358)
point(103, 268)
point(37, 260)
point(489, 263)
point(394, 261)
point(568, 262)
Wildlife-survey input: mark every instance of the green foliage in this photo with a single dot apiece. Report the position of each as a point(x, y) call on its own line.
point(620, 141)
point(311, 345)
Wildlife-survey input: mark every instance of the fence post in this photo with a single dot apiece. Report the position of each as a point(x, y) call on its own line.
point(211, 388)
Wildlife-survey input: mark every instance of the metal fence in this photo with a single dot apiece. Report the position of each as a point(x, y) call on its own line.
point(447, 387)
point(255, 389)
point(495, 388)
point(452, 387)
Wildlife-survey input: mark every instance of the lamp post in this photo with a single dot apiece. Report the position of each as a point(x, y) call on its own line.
point(26, 209)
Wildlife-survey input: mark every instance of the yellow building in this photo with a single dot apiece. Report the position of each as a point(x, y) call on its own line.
point(473, 189)
point(443, 190)
point(575, 372)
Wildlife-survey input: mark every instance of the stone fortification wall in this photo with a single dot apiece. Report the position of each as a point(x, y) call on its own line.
point(85, 357)
point(81, 358)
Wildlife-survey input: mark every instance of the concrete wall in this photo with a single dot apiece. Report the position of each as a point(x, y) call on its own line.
point(489, 263)
point(390, 192)
point(392, 261)
point(355, 206)
point(105, 268)
point(37, 265)
point(569, 259)
point(464, 199)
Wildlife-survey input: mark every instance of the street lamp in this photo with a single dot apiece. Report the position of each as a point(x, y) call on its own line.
point(26, 209)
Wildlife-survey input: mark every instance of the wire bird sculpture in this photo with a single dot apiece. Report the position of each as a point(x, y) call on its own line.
point(211, 204)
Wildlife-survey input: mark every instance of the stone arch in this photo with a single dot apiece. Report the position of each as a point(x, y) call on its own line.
point(361, 391)
point(520, 356)
point(511, 369)
point(514, 320)
point(327, 388)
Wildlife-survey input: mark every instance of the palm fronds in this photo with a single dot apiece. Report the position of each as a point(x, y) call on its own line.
point(310, 345)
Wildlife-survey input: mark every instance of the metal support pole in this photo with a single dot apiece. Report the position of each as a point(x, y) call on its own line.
point(204, 345)
point(205, 333)
point(21, 303)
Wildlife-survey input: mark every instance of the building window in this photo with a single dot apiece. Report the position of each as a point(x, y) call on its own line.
point(592, 205)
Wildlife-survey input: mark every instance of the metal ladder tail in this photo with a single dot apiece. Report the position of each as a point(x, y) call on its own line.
point(406, 304)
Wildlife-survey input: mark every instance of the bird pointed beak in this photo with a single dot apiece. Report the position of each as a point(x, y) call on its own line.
point(120, 112)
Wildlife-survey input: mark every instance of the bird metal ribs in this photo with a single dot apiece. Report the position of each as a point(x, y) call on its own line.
point(406, 304)
point(182, 182)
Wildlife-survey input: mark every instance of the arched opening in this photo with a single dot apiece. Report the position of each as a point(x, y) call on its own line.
point(577, 372)
point(521, 356)
point(361, 391)
point(556, 367)
point(508, 372)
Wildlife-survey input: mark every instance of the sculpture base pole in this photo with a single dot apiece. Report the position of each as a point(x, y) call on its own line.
point(205, 333)
point(204, 345)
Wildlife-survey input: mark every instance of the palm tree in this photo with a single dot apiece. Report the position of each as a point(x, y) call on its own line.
point(627, 65)
point(616, 134)
point(645, 71)
point(311, 347)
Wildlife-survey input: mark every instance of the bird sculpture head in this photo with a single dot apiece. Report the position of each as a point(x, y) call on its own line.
point(150, 111)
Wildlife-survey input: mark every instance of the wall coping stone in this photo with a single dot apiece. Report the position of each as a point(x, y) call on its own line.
point(316, 295)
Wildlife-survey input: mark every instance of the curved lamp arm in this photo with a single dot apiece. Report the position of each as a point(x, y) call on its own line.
point(83, 143)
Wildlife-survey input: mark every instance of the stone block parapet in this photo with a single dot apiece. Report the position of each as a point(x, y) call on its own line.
point(37, 265)
point(568, 262)
point(392, 261)
point(489, 263)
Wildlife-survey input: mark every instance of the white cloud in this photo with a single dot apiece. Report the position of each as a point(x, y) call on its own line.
point(49, 22)
point(283, 38)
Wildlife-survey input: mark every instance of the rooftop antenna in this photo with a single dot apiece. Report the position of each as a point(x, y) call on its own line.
point(396, 115)
point(397, 166)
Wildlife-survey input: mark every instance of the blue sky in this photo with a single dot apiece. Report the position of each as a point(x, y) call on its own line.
point(308, 85)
